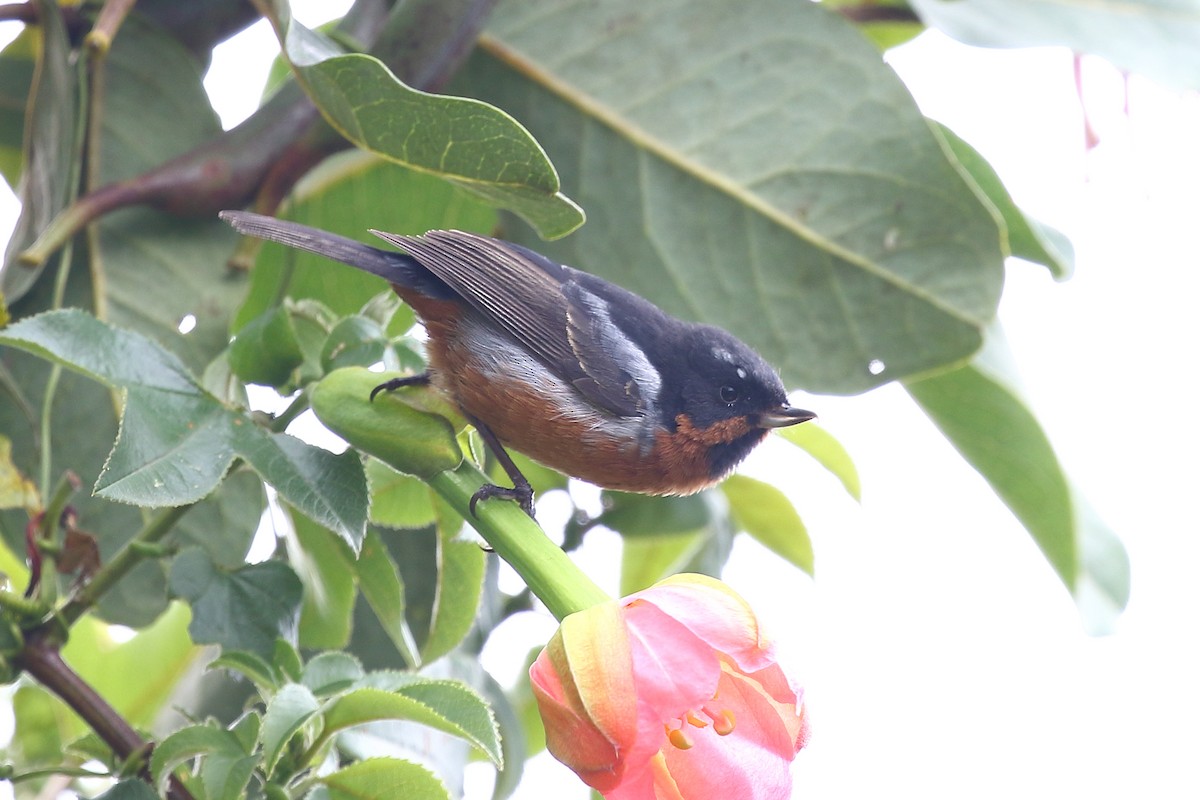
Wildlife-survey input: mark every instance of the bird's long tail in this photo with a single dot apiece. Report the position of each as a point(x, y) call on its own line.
point(392, 266)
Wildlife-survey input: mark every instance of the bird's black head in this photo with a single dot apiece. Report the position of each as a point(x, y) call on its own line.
point(726, 395)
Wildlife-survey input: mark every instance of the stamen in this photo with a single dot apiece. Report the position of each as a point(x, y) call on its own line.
point(695, 721)
point(678, 738)
point(723, 719)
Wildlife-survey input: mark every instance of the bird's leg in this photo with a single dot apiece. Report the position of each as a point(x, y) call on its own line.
point(397, 383)
point(521, 490)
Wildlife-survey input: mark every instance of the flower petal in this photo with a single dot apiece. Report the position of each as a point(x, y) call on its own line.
point(753, 761)
point(673, 669)
point(715, 613)
point(583, 684)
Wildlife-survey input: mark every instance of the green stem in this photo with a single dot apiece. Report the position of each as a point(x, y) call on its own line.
point(22, 607)
point(126, 559)
point(50, 772)
point(297, 407)
point(547, 570)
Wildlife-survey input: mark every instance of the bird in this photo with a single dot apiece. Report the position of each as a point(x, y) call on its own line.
point(572, 370)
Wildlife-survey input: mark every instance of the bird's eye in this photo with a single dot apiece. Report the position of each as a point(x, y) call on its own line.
point(728, 394)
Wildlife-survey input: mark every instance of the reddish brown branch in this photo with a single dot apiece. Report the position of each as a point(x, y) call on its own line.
point(41, 659)
point(869, 12)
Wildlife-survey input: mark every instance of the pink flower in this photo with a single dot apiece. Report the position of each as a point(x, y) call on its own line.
point(672, 693)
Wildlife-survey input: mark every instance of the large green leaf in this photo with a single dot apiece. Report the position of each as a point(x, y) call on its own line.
point(381, 779)
point(157, 268)
point(398, 500)
point(243, 609)
point(221, 750)
point(1156, 38)
point(286, 713)
point(828, 452)
point(765, 513)
point(1027, 238)
point(17, 64)
point(645, 560)
point(980, 409)
point(326, 568)
point(383, 588)
point(329, 489)
point(467, 142)
point(757, 166)
point(177, 440)
point(224, 523)
point(459, 588)
point(350, 194)
point(51, 135)
point(129, 789)
point(448, 706)
point(107, 664)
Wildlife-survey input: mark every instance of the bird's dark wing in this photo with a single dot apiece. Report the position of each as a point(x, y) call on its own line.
point(539, 304)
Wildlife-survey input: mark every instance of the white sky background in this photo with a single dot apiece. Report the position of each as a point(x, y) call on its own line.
point(941, 656)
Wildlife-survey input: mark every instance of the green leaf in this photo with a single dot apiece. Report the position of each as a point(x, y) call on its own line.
point(828, 452)
point(187, 743)
point(106, 664)
point(286, 713)
point(1027, 238)
point(17, 65)
point(384, 779)
point(381, 585)
point(104, 353)
point(253, 666)
point(765, 513)
point(448, 706)
point(129, 789)
point(328, 673)
point(325, 567)
point(266, 350)
point(176, 440)
point(884, 32)
point(286, 660)
point(459, 587)
point(467, 142)
point(1151, 37)
point(354, 342)
point(156, 268)
point(646, 560)
point(398, 500)
point(246, 728)
point(329, 489)
point(225, 775)
point(641, 515)
point(392, 428)
point(771, 175)
point(40, 722)
point(174, 443)
point(513, 744)
point(980, 409)
point(49, 141)
point(224, 523)
point(173, 448)
point(243, 609)
point(348, 194)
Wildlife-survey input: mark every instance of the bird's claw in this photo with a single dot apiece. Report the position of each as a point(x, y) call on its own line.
point(521, 493)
